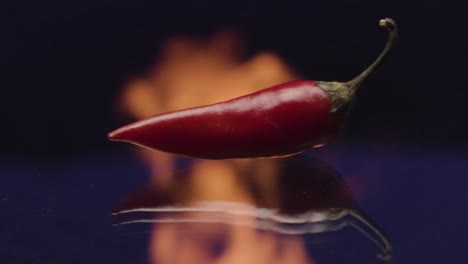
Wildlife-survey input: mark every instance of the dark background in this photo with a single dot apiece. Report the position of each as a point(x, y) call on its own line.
point(62, 63)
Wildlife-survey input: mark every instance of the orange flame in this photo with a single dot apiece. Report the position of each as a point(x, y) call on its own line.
point(192, 72)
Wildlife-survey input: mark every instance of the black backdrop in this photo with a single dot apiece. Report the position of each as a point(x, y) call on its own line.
point(62, 62)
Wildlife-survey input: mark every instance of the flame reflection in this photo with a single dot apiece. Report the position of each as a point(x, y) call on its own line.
point(312, 199)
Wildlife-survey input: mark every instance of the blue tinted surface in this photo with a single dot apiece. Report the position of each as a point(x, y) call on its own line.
point(58, 211)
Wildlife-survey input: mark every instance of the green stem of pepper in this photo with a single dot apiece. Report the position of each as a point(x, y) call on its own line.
point(391, 26)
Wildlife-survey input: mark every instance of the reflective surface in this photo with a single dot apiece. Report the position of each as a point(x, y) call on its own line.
point(85, 209)
point(311, 200)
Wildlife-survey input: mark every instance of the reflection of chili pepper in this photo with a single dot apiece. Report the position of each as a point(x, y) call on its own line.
point(277, 121)
point(310, 198)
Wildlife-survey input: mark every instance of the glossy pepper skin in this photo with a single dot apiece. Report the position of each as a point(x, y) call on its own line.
point(278, 121)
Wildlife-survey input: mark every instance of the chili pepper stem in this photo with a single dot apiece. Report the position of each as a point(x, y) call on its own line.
point(391, 26)
point(341, 93)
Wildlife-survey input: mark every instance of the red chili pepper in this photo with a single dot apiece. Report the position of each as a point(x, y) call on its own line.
point(278, 121)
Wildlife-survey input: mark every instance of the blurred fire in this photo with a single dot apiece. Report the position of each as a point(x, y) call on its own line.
point(192, 72)
point(198, 71)
point(201, 243)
